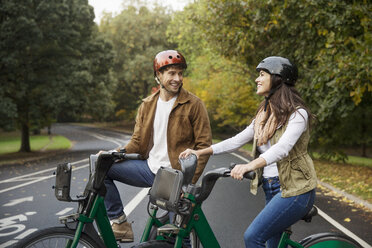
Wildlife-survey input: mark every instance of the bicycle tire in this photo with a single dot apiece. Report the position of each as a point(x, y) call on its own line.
point(56, 237)
point(323, 240)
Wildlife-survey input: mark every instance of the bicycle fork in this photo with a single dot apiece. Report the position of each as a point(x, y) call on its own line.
point(85, 224)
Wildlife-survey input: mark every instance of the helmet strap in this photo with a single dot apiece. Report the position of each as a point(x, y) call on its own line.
point(157, 80)
point(162, 86)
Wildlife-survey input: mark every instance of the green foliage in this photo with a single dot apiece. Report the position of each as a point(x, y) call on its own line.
point(222, 83)
point(52, 62)
point(137, 35)
point(330, 41)
point(224, 89)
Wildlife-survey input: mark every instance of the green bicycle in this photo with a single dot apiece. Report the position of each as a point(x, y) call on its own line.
point(172, 191)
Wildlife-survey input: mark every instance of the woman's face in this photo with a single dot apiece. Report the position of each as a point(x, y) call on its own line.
point(263, 83)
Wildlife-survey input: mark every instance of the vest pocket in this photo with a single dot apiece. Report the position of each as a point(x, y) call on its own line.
point(299, 165)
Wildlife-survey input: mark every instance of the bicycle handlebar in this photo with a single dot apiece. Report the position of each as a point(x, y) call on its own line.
point(249, 175)
point(131, 156)
point(104, 163)
point(210, 178)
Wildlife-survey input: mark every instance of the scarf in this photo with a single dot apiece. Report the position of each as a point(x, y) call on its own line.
point(264, 125)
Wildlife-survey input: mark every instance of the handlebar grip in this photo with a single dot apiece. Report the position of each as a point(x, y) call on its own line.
point(249, 175)
point(132, 156)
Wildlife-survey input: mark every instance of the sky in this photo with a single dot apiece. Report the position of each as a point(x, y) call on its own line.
point(115, 6)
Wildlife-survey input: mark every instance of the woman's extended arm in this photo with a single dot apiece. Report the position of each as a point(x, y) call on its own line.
point(297, 124)
point(227, 145)
point(205, 151)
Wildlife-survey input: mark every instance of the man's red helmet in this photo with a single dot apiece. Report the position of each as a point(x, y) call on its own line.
point(168, 57)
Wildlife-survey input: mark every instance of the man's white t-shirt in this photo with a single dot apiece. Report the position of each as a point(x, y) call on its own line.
point(158, 155)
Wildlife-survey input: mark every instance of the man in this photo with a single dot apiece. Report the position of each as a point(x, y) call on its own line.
point(167, 122)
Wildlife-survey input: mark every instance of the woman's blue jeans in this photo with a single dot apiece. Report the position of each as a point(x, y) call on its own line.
point(271, 187)
point(132, 172)
point(278, 214)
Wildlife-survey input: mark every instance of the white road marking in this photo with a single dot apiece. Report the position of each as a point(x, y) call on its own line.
point(135, 201)
point(26, 233)
point(14, 179)
point(17, 201)
point(343, 229)
point(8, 243)
point(64, 211)
point(328, 218)
point(38, 180)
point(101, 137)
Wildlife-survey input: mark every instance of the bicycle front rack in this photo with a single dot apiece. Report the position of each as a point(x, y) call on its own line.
point(63, 182)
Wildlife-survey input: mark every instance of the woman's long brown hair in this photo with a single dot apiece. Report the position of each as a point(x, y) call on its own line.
point(284, 101)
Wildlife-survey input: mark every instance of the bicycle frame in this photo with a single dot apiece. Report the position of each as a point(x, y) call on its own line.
point(196, 221)
point(199, 223)
point(285, 241)
point(82, 223)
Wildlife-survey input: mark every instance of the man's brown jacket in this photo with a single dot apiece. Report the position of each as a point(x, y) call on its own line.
point(188, 127)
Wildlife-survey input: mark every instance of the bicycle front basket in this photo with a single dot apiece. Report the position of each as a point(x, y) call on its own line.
point(166, 189)
point(63, 182)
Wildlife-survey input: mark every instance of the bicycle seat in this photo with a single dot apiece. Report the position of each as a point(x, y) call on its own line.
point(313, 211)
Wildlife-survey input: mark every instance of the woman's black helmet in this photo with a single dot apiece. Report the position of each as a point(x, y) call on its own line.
point(280, 66)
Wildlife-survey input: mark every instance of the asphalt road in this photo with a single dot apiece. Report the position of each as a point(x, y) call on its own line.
point(27, 200)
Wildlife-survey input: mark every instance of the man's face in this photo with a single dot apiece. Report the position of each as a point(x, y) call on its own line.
point(172, 79)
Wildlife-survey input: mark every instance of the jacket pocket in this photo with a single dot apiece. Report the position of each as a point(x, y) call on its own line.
point(180, 127)
point(300, 167)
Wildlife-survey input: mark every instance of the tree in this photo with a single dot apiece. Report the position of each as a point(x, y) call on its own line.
point(137, 35)
point(223, 83)
point(45, 64)
point(330, 42)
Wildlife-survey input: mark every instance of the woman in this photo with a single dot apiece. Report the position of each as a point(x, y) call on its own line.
point(280, 134)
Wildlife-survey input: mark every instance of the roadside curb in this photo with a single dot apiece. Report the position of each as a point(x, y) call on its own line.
point(347, 195)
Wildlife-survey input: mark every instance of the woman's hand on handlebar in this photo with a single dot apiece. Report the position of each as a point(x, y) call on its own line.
point(187, 153)
point(239, 170)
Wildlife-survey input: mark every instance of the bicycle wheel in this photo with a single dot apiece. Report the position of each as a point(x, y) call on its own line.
point(334, 240)
point(56, 237)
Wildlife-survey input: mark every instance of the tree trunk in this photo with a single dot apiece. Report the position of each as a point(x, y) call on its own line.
point(25, 129)
point(364, 130)
point(25, 142)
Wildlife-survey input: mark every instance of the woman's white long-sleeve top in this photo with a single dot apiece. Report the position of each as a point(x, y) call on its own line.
point(297, 124)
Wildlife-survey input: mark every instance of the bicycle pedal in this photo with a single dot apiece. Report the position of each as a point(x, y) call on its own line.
point(168, 228)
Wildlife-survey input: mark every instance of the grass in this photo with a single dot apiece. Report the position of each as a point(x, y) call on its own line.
point(11, 142)
point(353, 179)
point(355, 160)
